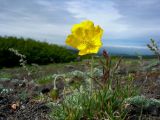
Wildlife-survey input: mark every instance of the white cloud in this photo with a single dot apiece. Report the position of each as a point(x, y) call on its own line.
point(51, 20)
point(48, 5)
point(50, 32)
point(115, 24)
point(47, 23)
point(102, 13)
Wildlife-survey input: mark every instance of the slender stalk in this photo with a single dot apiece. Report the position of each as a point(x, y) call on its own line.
point(92, 68)
point(54, 82)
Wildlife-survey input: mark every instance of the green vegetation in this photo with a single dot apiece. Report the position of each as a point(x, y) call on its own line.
point(105, 101)
point(35, 52)
point(5, 75)
point(142, 101)
point(44, 80)
point(66, 88)
point(154, 47)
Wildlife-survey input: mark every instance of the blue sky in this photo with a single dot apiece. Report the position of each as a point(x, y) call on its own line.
point(126, 23)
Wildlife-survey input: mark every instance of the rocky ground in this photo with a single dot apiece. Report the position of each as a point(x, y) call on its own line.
point(19, 103)
point(12, 108)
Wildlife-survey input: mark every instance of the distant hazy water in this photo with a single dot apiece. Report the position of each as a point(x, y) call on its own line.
point(127, 51)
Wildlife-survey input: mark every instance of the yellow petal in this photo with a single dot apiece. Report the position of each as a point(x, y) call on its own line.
point(99, 30)
point(79, 35)
point(85, 37)
point(97, 41)
point(89, 50)
point(97, 36)
point(77, 29)
point(81, 46)
point(87, 24)
point(71, 41)
point(82, 52)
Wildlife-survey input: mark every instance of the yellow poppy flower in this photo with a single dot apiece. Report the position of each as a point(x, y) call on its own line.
point(85, 37)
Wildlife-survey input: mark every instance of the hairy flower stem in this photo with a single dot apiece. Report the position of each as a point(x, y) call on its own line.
point(92, 67)
point(54, 82)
